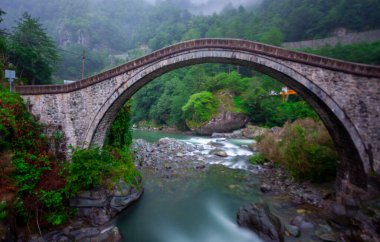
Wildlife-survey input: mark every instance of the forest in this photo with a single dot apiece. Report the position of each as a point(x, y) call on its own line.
point(116, 31)
point(45, 42)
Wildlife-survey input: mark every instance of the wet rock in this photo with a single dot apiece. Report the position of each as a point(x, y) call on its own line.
point(297, 220)
point(252, 132)
point(258, 218)
point(225, 121)
point(119, 203)
point(97, 216)
point(216, 144)
point(200, 167)
point(57, 236)
point(95, 198)
point(111, 234)
point(304, 225)
point(84, 233)
point(220, 153)
point(232, 186)
point(265, 188)
point(165, 141)
point(300, 222)
point(328, 237)
point(292, 230)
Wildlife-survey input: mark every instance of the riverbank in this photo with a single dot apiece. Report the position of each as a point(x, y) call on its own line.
point(96, 213)
point(312, 212)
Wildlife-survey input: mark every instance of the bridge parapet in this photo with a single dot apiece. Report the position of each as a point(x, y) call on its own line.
point(227, 44)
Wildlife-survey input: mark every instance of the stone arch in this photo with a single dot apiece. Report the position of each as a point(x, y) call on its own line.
point(354, 160)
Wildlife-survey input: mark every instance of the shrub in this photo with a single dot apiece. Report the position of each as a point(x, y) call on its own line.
point(91, 167)
point(304, 148)
point(257, 159)
point(3, 211)
point(34, 168)
point(86, 169)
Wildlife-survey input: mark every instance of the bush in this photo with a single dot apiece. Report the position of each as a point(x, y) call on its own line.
point(90, 167)
point(257, 159)
point(87, 168)
point(304, 148)
point(120, 133)
point(3, 211)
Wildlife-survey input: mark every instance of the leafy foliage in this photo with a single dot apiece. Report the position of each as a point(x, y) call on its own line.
point(35, 169)
point(120, 133)
point(368, 53)
point(3, 211)
point(257, 159)
point(32, 51)
point(92, 167)
point(200, 108)
point(304, 148)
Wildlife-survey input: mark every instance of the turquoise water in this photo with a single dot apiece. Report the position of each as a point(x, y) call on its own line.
point(199, 206)
point(153, 136)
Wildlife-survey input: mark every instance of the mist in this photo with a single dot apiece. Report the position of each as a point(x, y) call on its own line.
point(208, 7)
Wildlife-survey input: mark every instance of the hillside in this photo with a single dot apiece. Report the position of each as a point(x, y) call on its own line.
point(114, 31)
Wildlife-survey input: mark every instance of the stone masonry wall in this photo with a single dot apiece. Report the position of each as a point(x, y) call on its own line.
point(350, 38)
point(349, 104)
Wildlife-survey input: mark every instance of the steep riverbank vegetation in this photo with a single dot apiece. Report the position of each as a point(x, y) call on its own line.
point(181, 98)
point(36, 182)
point(368, 53)
point(303, 147)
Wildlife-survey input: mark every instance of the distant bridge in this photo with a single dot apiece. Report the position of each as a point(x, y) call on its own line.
point(345, 95)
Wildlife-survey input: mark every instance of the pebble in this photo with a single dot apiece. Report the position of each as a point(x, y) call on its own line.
point(292, 230)
point(265, 188)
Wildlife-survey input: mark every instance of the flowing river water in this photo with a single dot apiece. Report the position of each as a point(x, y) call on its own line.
point(200, 206)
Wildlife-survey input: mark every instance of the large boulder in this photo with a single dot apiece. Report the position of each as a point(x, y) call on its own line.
point(258, 218)
point(99, 205)
point(225, 121)
point(252, 131)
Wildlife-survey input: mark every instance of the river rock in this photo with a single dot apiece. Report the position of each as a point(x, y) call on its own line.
point(96, 197)
point(258, 218)
point(82, 233)
point(252, 132)
point(225, 120)
point(292, 230)
point(264, 188)
point(216, 144)
point(220, 153)
point(328, 237)
point(99, 204)
point(57, 236)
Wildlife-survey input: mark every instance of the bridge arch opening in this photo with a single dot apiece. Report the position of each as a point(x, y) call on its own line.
point(353, 165)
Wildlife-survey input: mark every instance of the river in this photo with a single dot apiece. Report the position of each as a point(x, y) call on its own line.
point(200, 206)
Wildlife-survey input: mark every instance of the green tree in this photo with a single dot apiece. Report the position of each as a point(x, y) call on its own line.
point(32, 51)
point(274, 36)
point(200, 108)
point(120, 134)
point(3, 47)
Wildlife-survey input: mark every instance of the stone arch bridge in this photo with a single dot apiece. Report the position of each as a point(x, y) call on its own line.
point(345, 95)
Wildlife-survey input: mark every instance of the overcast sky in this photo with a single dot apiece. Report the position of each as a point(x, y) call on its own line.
point(211, 6)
